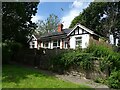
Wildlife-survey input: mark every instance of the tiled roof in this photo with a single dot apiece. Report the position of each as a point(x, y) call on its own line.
point(67, 30)
point(64, 32)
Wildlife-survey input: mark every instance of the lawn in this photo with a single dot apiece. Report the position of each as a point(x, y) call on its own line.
point(14, 76)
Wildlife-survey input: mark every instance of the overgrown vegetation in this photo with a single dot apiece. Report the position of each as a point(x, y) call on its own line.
point(84, 59)
point(72, 58)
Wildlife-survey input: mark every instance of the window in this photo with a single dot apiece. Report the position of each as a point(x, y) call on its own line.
point(56, 44)
point(33, 43)
point(65, 44)
point(78, 41)
point(33, 46)
point(45, 44)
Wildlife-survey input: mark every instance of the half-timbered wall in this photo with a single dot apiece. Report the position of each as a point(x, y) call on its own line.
point(78, 32)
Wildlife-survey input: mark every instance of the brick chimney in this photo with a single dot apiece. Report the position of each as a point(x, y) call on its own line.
point(60, 26)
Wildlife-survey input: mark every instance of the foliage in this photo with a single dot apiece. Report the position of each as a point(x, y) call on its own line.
point(98, 80)
point(114, 80)
point(16, 76)
point(106, 54)
point(9, 50)
point(101, 17)
point(49, 25)
point(109, 59)
point(99, 50)
point(87, 62)
point(90, 17)
point(16, 20)
point(72, 58)
point(6, 54)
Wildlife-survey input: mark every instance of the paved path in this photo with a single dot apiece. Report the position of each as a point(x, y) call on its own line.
point(82, 80)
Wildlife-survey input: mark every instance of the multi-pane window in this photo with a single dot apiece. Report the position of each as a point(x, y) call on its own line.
point(56, 44)
point(78, 41)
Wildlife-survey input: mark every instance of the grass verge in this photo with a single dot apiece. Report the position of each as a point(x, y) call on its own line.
point(14, 76)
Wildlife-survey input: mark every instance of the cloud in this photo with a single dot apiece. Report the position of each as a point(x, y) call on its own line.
point(76, 8)
point(68, 18)
point(77, 4)
point(36, 18)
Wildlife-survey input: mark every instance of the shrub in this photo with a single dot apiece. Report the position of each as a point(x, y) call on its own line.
point(87, 62)
point(109, 59)
point(73, 58)
point(99, 50)
point(114, 80)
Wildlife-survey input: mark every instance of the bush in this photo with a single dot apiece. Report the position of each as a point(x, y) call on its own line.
point(99, 50)
point(109, 59)
point(114, 80)
point(73, 58)
point(87, 62)
point(106, 54)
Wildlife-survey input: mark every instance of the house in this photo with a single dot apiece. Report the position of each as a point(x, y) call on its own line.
point(113, 40)
point(79, 36)
point(33, 42)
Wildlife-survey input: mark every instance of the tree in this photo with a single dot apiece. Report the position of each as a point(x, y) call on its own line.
point(16, 20)
point(101, 17)
point(49, 25)
point(91, 16)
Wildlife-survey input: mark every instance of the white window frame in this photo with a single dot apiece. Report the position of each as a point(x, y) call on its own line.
point(57, 43)
point(78, 40)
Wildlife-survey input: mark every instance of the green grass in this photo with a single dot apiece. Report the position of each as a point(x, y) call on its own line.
point(20, 77)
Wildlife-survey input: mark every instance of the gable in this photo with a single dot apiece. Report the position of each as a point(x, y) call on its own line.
point(77, 31)
point(32, 38)
point(80, 29)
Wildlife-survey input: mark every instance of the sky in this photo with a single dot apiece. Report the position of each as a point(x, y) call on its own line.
point(66, 11)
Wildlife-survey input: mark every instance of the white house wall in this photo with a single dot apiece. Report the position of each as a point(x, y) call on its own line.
point(85, 40)
point(117, 41)
point(51, 44)
point(111, 38)
point(31, 44)
point(61, 44)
